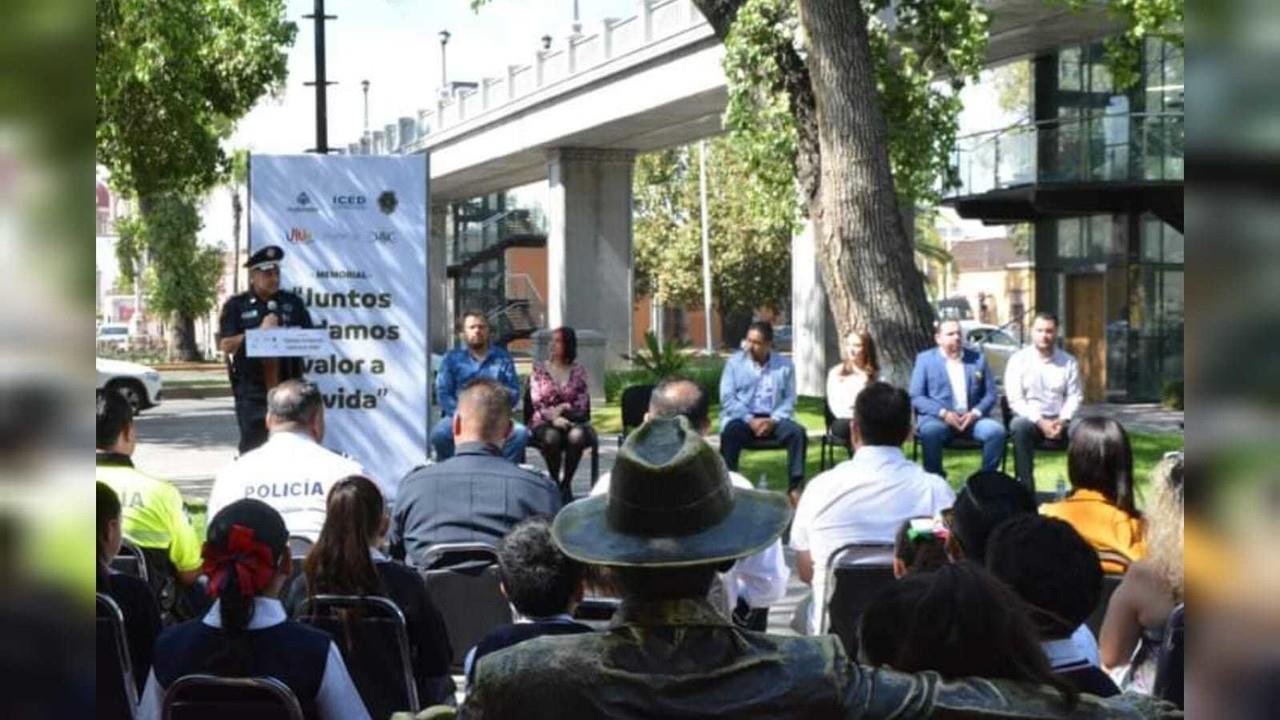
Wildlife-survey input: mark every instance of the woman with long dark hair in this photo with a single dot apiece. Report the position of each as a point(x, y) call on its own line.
point(1102, 506)
point(561, 408)
point(346, 561)
point(846, 380)
point(133, 596)
point(246, 633)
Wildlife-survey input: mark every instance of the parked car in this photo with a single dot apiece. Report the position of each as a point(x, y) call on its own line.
point(113, 334)
point(995, 343)
point(139, 384)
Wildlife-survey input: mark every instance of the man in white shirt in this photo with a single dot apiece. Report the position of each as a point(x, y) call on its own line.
point(292, 472)
point(867, 498)
point(755, 581)
point(1042, 383)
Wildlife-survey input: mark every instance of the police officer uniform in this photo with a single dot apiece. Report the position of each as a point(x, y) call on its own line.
point(246, 311)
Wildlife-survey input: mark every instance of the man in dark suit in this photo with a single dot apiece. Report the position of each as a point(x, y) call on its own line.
point(953, 392)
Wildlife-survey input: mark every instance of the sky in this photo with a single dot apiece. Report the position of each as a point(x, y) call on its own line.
point(395, 45)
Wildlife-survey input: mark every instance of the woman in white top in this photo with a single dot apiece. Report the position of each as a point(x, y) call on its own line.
point(847, 379)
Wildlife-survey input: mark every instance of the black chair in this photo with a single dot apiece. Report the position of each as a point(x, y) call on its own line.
point(635, 403)
point(596, 610)
point(526, 402)
point(957, 442)
point(1171, 665)
point(830, 441)
point(131, 561)
point(855, 573)
point(1043, 445)
point(374, 639)
point(1110, 581)
point(299, 546)
point(462, 580)
point(117, 689)
point(207, 697)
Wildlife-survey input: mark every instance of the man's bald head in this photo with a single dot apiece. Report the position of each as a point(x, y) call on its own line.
point(484, 413)
point(296, 405)
point(681, 396)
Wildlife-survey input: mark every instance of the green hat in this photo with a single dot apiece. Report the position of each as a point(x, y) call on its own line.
point(670, 503)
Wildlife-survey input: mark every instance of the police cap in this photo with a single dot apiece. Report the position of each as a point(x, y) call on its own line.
point(266, 258)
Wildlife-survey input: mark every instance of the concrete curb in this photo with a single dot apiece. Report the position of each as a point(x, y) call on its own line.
point(196, 393)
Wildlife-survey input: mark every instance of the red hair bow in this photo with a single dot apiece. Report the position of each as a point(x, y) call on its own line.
point(250, 560)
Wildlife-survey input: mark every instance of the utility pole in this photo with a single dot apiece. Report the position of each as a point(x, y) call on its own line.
point(364, 84)
point(706, 244)
point(320, 83)
point(444, 73)
point(577, 22)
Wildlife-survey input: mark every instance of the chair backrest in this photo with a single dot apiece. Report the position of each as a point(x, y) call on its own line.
point(462, 580)
point(1110, 581)
point(299, 546)
point(635, 403)
point(374, 640)
point(208, 697)
point(117, 689)
point(855, 573)
point(1170, 666)
point(828, 417)
point(130, 561)
point(1006, 412)
point(526, 403)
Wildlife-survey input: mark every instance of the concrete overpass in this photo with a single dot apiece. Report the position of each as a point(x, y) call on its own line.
point(576, 116)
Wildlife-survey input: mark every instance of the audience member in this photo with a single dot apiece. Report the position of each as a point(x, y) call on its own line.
point(561, 409)
point(346, 561)
point(670, 521)
point(920, 546)
point(1042, 383)
point(1052, 568)
point(959, 622)
point(954, 391)
point(846, 380)
point(133, 596)
point(292, 472)
point(756, 581)
point(758, 402)
point(543, 585)
point(475, 496)
point(246, 632)
point(476, 359)
point(1101, 505)
point(152, 516)
point(866, 498)
point(1140, 607)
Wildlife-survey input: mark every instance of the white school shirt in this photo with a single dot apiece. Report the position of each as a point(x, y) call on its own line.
point(290, 472)
point(864, 499)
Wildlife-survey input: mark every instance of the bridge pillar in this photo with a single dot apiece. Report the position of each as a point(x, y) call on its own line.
point(814, 345)
point(589, 244)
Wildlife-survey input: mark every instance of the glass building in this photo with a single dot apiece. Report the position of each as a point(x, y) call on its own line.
point(1099, 174)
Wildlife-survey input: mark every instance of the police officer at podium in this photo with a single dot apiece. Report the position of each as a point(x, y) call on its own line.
point(264, 305)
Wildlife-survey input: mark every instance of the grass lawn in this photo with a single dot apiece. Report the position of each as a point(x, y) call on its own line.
point(1148, 448)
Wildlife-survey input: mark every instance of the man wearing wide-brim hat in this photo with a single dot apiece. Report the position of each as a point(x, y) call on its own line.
point(670, 521)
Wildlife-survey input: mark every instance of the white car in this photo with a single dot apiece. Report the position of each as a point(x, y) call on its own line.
point(139, 384)
point(113, 334)
point(996, 345)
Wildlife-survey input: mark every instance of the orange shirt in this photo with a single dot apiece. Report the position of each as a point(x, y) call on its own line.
point(1102, 524)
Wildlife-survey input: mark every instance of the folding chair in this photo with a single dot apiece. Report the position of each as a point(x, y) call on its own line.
point(526, 403)
point(130, 561)
point(207, 697)
point(855, 573)
point(374, 639)
point(462, 580)
point(635, 403)
point(300, 546)
point(957, 442)
point(117, 689)
point(1171, 665)
point(830, 441)
point(1110, 581)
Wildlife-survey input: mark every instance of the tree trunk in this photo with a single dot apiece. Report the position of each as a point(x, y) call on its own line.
point(182, 339)
point(842, 167)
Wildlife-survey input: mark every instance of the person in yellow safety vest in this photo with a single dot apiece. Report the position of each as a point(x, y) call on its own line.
point(153, 517)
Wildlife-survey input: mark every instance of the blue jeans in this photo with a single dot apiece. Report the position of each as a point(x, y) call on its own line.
point(442, 441)
point(935, 434)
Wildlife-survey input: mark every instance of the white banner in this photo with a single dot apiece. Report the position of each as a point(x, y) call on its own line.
point(354, 233)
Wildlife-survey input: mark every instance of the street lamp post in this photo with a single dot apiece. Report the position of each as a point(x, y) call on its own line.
point(706, 244)
point(444, 74)
point(577, 21)
point(364, 85)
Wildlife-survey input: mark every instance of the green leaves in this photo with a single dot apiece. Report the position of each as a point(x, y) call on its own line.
point(1141, 19)
point(660, 362)
point(182, 276)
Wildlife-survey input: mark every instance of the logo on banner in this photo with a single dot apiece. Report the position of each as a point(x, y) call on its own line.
point(299, 235)
point(387, 202)
point(349, 202)
point(303, 203)
point(383, 236)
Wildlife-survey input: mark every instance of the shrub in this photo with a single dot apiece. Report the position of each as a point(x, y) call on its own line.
point(1171, 394)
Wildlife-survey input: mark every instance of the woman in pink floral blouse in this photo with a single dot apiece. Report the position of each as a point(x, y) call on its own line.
point(561, 408)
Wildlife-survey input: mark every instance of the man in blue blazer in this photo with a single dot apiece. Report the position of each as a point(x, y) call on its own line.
point(954, 392)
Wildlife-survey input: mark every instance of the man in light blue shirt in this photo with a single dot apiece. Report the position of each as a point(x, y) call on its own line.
point(758, 404)
point(476, 358)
